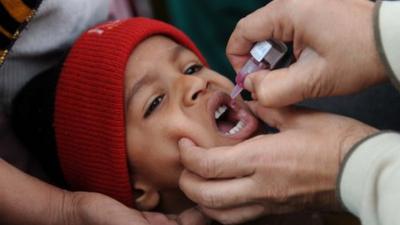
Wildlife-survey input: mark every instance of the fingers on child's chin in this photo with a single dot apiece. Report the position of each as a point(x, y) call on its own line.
point(193, 217)
point(185, 142)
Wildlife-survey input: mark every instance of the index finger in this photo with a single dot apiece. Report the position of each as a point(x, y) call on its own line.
point(264, 23)
point(218, 162)
point(218, 193)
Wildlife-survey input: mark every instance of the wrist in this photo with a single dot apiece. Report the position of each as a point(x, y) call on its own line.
point(377, 48)
point(374, 67)
point(62, 209)
point(88, 208)
point(352, 137)
point(327, 202)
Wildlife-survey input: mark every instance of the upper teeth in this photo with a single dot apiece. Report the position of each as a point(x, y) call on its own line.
point(220, 111)
point(236, 128)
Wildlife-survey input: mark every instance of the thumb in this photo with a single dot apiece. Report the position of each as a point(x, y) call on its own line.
point(193, 216)
point(274, 117)
point(286, 86)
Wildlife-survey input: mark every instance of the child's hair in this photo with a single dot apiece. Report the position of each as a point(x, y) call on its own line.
point(84, 108)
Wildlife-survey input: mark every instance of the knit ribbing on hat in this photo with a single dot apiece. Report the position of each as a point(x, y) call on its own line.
point(89, 109)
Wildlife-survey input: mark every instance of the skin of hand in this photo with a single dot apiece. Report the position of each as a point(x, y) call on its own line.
point(93, 208)
point(333, 44)
point(27, 200)
point(293, 170)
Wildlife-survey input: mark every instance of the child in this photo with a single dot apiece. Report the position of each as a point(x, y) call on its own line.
point(128, 91)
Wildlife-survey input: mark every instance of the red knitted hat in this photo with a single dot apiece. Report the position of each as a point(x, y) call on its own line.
point(89, 115)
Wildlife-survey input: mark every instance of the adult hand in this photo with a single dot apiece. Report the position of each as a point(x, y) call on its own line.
point(91, 208)
point(292, 170)
point(334, 48)
point(27, 200)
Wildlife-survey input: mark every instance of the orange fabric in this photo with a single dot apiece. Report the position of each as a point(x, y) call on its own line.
point(17, 9)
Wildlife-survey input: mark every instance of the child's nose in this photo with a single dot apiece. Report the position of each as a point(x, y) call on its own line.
point(193, 88)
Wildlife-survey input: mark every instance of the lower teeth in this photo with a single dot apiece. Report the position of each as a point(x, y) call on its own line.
point(236, 128)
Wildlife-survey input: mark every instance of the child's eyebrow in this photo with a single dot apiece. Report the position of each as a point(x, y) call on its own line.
point(176, 52)
point(142, 82)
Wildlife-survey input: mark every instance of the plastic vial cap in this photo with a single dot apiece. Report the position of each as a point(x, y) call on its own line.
point(270, 51)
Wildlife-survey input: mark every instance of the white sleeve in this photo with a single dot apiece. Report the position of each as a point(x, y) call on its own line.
point(369, 184)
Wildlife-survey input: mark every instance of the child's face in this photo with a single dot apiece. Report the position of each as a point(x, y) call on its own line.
point(169, 94)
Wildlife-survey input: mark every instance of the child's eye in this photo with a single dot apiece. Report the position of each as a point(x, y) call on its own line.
point(193, 69)
point(153, 105)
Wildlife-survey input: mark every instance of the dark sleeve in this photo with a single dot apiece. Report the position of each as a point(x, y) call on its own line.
point(32, 121)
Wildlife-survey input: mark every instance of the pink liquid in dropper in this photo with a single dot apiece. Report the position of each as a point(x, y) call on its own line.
point(251, 66)
point(238, 87)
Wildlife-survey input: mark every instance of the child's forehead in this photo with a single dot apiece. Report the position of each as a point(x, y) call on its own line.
point(157, 48)
point(161, 42)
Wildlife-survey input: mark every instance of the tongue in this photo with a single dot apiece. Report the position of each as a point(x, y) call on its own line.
point(225, 126)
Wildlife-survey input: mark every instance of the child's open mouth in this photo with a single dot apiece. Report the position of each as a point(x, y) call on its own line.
point(231, 119)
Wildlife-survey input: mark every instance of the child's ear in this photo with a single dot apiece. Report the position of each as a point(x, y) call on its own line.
point(146, 196)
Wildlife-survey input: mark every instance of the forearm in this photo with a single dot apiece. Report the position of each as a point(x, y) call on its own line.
point(27, 200)
point(370, 179)
point(370, 175)
point(387, 36)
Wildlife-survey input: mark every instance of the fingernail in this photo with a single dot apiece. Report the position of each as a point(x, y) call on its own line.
point(184, 142)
